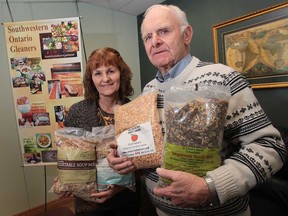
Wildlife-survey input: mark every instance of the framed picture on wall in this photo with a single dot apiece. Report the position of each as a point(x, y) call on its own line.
point(256, 45)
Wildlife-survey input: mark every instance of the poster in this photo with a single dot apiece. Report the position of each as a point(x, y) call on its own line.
point(45, 66)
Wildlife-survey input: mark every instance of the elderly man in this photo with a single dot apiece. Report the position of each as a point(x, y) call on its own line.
point(252, 148)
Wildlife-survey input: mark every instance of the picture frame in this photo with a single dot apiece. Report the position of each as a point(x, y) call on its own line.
point(256, 45)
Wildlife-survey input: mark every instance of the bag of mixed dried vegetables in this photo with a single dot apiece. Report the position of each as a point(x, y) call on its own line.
point(76, 162)
point(194, 124)
point(82, 165)
point(105, 174)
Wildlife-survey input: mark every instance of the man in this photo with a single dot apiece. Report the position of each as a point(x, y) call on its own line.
point(253, 148)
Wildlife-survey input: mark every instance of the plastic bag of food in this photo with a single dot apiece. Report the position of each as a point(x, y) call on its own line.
point(105, 174)
point(139, 132)
point(194, 125)
point(76, 162)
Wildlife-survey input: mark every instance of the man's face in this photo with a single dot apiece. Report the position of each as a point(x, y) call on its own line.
point(163, 41)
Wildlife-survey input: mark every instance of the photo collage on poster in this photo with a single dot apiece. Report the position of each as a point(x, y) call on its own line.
point(44, 83)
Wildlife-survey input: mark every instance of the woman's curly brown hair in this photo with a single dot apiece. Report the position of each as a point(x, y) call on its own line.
point(107, 57)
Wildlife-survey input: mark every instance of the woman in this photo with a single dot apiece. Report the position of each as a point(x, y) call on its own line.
point(107, 82)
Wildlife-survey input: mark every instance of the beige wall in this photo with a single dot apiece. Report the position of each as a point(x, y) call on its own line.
point(22, 188)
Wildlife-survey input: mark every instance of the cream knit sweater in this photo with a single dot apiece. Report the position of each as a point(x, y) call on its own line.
point(252, 148)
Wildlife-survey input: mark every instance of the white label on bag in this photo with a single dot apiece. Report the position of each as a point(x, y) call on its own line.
point(136, 141)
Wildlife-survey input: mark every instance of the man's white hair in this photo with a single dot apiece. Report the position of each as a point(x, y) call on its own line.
point(182, 18)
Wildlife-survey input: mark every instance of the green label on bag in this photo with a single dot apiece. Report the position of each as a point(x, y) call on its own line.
point(76, 176)
point(192, 160)
point(75, 154)
point(76, 165)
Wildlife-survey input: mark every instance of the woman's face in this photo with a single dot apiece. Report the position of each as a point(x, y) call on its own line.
point(106, 81)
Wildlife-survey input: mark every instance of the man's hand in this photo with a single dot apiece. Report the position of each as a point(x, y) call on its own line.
point(186, 190)
point(120, 164)
point(111, 191)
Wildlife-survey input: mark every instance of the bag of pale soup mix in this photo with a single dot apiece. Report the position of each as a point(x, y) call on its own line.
point(138, 131)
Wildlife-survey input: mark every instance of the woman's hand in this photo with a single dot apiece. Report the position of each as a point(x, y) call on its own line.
point(121, 165)
point(111, 191)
